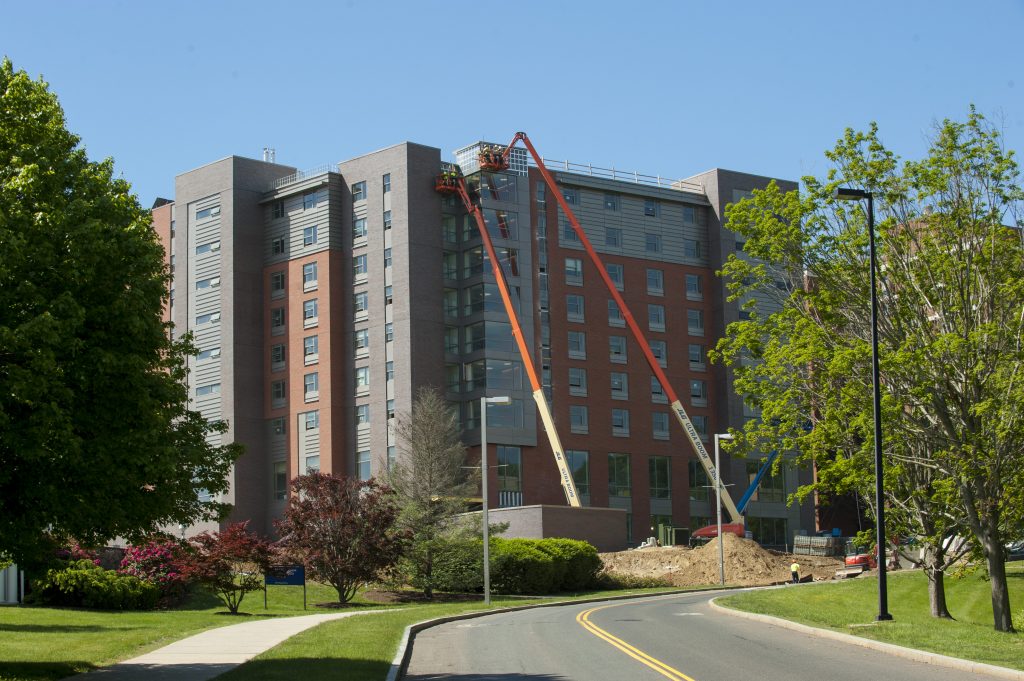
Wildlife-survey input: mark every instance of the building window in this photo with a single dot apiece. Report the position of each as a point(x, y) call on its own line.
point(574, 271)
point(391, 409)
point(363, 464)
point(278, 209)
point(309, 200)
point(773, 485)
point(659, 420)
point(450, 300)
point(740, 245)
point(699, 481)
point(389, 371)
point(310, 347)
point(611, 201)
point(450, 228)
point(660, 475)
point(359, 228)
point(612, 237)
point(744, 315)
point(656, 317)
point(389, 332)
point(388, 295)
point(695, 322)
point(698, 392)
point(277, 356)
point(392, 457)
point(574, 307)
point(211, 247)
point(211, 389)
point(277, 246)
point(616, 274)
point(309, 276)
point(387, 220)
point(280, 480)
point(620, 422)
point(691, 248)
point(386, 181)
point(655, 282)
point(361, 339)
point(568, 232)
point(541, 192)
point(615, 317)
point(769, 531)
point(618, 475)
point(313, 464)
point(207, 212)
point(276, 284)
point(620, 385)
point(310, 311)
point(359, 191)
point(700, 424)
point(214, 317)
point(657, 391)
point(689, 215)
point(571, 194)
point(362, 414)
point(577, 345)
point(311, 385)
point(387, 258)
point(211, 282)
point(694, 287)
point(510, 475)
point(277, 393)
point(276, 319)
point(660, 351)
point(697, 357)
point(652, 243)
point(309, 237)
point(578, 421)
point(311, 420)
point(361, 302)
point(450, 265)
point(578, 381)
point(278, 426)
point(211, 353)
point(617, 346)
point(359, 265)
point(362, 379)
point(579, 463)
point(651, 208)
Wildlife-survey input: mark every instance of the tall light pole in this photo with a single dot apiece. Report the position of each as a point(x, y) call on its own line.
point(484, 401)
point(718, 505)
point(847, 194)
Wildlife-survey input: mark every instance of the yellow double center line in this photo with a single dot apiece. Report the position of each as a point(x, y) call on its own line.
point(657, 665)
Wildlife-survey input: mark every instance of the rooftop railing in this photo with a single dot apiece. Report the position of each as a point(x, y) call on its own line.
point(622, 175)
point(303, 174)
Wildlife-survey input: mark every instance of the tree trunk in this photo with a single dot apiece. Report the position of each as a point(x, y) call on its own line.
point(937, 592)
point(1000, 592)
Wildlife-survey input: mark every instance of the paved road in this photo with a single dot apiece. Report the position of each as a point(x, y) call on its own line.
point(676, 637)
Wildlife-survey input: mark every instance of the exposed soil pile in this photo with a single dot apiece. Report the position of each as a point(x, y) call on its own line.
point(746, 564)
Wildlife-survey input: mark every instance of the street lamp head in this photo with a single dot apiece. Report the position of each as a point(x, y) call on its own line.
point(850, 194)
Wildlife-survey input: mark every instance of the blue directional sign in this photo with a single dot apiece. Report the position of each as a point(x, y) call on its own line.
point(285, 575)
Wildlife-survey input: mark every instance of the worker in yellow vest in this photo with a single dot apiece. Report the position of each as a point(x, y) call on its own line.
point(794, 569)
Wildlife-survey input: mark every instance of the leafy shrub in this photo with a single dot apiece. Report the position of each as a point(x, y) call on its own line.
point(229, 564)
point(161, 562)
point(578, 561)
point(619, 580)
point(83, 583)
point(519, 567)
point(458, 566)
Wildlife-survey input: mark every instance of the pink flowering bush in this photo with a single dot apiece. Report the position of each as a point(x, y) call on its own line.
point(160, 562)
point(75, 551)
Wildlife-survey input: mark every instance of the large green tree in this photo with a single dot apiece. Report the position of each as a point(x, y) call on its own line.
point(96, 439)
point(951, 328)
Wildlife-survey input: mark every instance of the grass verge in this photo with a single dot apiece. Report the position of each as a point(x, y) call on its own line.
point(45, 644)
point(851, 606)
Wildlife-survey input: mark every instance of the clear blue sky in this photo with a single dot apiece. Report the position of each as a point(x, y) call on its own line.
point(670, 88)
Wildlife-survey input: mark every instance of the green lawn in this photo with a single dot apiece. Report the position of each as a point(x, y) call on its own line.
point(38, 644)
point(851, 606)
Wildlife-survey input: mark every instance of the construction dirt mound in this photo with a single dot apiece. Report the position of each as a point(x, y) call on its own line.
point(746, 564)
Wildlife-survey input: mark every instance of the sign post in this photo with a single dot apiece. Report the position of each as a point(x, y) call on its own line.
point(285, 575)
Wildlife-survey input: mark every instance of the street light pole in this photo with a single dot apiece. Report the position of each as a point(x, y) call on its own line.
point(484, 401)
point(847, 194)
point(718, 505)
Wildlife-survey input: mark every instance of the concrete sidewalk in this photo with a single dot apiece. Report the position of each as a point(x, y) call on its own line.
point(212, 652)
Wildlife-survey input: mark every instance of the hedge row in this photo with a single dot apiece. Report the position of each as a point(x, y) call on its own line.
point(518, 566)
point(85, 584)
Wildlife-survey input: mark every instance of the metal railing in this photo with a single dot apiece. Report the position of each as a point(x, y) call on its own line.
point(622, 175)
point(303, 174)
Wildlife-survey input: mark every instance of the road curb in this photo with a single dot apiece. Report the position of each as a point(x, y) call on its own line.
point(890, 648)
point(400, 663)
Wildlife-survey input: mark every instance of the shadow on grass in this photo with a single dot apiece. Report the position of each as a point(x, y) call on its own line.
point(43, 671)
point(59, 628)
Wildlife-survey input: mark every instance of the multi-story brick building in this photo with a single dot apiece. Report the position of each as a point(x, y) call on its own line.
point(321, 300)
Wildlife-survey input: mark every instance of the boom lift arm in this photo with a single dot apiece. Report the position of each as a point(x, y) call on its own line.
point(677, 406)
point(454, 180)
